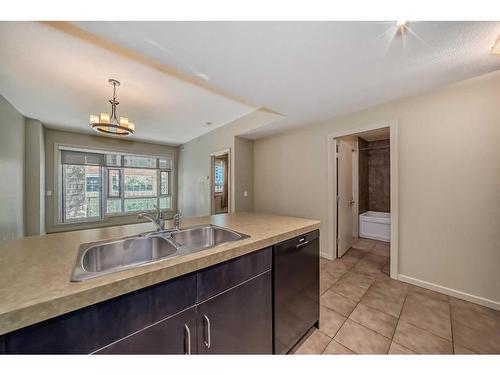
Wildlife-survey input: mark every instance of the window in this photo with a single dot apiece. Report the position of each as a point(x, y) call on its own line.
point(219, 178)
point(95, 185)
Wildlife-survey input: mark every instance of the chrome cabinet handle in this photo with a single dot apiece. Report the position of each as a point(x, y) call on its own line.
point(208, 339)
point(302, 244)
point(187, 332)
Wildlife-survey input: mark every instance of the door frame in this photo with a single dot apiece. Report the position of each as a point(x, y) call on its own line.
point(213, 155)
point(332, 188)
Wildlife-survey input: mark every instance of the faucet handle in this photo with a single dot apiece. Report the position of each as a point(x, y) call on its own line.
point(158, 212)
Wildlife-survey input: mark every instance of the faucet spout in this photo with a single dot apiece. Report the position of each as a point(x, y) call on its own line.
point(158, 221)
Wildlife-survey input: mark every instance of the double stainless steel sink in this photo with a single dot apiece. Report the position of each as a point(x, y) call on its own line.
point(104, 257)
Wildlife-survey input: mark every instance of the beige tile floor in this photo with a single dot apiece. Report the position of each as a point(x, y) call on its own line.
point(364, 311)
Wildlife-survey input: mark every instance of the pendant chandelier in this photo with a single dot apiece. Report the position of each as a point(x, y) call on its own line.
point(111, 123)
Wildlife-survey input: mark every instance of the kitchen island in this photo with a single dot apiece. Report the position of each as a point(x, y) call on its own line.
point(35, 272)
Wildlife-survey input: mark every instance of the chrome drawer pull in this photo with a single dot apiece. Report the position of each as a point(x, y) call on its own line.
point(302, 244)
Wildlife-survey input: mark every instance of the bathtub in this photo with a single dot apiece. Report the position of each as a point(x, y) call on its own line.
point(375, 225)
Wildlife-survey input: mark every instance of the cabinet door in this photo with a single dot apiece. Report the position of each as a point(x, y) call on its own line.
point(174, 335)
point(239, 320)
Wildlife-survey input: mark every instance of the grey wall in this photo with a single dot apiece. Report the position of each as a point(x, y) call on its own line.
point(12, 171)
point(54, 137)
point(243, 174)
point(449, 178)
point(34, 177)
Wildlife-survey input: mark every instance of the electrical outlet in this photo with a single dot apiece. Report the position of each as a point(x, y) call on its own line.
point(245, 193)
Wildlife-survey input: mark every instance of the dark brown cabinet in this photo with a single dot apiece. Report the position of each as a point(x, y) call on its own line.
point(239, 320)
point(174, 335)
point(226, 308)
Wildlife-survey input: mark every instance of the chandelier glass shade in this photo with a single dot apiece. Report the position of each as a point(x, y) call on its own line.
point(111, 123)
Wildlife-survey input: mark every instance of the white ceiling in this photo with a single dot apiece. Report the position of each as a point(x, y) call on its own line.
point(312, 71)
point(307, 71)
point(375, 135)
point(60, 79)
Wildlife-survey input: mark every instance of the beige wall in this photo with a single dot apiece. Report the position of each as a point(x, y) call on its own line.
point(34, 177)
point(194, 164)
point(12, 129)
point(243, 174)
point(54, 137)
point(449, 182)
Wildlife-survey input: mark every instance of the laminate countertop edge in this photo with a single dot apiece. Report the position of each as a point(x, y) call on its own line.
point(25, 313)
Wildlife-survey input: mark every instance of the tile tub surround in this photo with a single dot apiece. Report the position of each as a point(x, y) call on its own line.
point(363, 311)
point(35, 271)
point(374, 176)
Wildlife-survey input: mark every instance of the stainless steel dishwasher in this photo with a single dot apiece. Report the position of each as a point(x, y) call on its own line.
point(295, 289)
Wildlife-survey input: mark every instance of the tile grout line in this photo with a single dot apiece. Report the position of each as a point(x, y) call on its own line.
point(397, 323)
point(451, 328)
point(351, 269)
point(358, 302)
point(347, 318)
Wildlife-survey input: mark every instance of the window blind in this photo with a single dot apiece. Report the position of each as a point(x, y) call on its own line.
point(81, 158)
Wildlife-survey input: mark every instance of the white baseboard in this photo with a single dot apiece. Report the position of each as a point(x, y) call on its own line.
point(325, 255)
point(451, 292)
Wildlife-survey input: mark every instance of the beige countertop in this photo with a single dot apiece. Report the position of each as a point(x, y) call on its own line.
point(35, 271)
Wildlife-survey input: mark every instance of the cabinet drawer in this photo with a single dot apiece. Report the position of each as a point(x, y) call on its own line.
point(220, 277)
point(88, 329)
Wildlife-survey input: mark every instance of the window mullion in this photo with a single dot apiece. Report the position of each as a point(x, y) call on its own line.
point(122, 188)
point(103, 190)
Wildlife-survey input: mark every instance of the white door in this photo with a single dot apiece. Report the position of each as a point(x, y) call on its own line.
point(344, 199)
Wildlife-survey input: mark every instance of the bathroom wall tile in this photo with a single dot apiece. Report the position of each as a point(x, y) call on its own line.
point(379, 176)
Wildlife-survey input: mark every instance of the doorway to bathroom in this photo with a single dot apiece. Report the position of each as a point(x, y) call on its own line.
point(219, 183)
point(363, 195)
